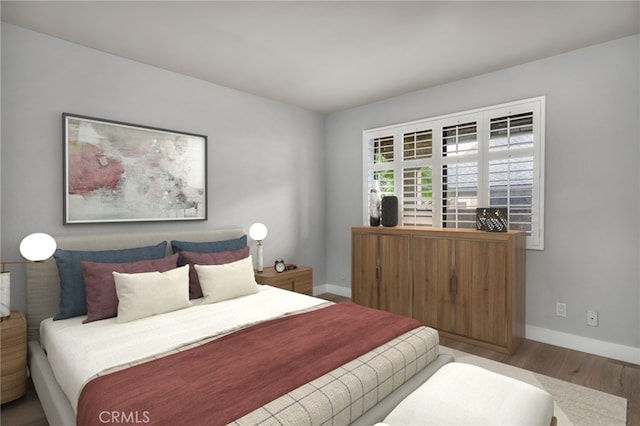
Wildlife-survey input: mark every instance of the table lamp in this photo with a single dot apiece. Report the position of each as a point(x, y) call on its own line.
point(258, 232)
point(35, 248)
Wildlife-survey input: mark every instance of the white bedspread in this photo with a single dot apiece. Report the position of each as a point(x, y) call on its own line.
point(77, 352)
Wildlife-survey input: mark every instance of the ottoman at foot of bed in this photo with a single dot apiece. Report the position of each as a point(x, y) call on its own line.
point(464, 394)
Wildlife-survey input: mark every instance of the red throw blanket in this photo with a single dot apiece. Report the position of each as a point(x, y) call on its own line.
point(223, 380)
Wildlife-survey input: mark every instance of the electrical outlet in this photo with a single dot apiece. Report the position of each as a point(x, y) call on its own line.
point(592, 318)
point(561, 309)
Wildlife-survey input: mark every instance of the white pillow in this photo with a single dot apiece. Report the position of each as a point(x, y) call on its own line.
point(222, 282)
point(150, 293)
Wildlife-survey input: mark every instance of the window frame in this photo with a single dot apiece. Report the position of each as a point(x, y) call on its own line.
point(482, 118)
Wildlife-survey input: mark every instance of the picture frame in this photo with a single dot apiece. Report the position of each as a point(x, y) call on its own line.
point(122, 172)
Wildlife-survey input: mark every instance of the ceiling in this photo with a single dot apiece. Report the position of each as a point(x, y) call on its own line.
point(327, 56)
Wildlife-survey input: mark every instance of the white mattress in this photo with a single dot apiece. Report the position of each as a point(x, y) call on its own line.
point(77, 352)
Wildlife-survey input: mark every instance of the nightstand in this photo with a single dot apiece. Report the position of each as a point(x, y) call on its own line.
point(13, 357)
point(299, 280)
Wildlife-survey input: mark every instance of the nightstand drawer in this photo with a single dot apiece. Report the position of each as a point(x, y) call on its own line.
point(299, 280)
point(13, 362)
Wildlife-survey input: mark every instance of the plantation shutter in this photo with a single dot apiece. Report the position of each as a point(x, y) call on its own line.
point(514, 168)
point(459, 186)
point(417, 178)
point(380, 163)
point(442, 169)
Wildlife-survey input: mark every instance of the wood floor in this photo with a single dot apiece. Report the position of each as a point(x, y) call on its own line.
point(606, 375)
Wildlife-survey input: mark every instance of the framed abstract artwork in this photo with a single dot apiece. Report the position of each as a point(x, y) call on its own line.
point(121, 172)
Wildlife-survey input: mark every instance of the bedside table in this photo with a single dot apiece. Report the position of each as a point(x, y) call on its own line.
point(299, 280)
point(13, 354)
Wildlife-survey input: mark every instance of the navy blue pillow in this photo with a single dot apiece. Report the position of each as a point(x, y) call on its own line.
point(208, 247)
point(73, 295)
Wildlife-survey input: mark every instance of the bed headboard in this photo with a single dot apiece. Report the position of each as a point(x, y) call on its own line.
point(43, 282)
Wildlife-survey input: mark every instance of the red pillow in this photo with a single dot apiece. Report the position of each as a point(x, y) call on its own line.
point(219, 258)
point(102, 300)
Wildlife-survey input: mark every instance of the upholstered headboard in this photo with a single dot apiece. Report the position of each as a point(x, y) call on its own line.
point(43, 282)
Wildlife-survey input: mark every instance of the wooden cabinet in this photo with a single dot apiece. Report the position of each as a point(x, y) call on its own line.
point(432, 297)
point(364, 269)
point(467, 284)
point(460, 287)
point(299, 280)
point(13, 357)
point(381, 272)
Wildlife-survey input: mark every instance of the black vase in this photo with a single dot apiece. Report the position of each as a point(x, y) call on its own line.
point(389, 210)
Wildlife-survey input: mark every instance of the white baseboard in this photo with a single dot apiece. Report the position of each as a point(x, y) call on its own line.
point(584, 344)
point(544, 335)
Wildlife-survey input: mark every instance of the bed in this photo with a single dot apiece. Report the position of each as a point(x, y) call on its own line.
point(80, 370)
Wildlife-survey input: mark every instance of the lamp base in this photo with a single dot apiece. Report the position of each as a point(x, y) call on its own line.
point(5, 294)
point(260, 257)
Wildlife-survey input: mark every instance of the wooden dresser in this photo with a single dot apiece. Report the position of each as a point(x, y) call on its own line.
point(468, 284)
point(13, 357)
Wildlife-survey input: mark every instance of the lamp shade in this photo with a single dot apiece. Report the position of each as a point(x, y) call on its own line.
point(37, 247)
point(258, 232)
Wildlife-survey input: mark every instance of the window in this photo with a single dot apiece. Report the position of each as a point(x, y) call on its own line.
point(443, 168)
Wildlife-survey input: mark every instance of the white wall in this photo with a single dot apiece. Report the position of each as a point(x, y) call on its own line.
point(266, 161)
point(592, 186)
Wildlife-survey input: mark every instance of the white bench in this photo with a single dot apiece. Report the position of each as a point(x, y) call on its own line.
point(463, 394)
